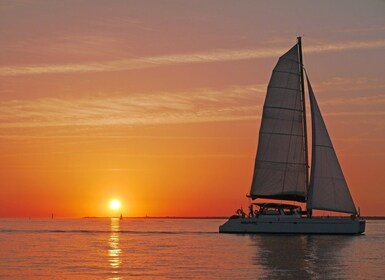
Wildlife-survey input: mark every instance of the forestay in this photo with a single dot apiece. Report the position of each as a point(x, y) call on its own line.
point(328, 188)
point(280, 167)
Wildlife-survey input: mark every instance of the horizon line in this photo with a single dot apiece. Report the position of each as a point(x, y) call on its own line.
point(368, 217)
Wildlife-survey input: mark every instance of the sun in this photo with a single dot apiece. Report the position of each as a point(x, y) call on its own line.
point(115, 204)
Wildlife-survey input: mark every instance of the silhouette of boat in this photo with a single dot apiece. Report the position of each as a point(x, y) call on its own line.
point(281, 164)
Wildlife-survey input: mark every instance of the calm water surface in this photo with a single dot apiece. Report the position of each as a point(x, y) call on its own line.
point(180, 248)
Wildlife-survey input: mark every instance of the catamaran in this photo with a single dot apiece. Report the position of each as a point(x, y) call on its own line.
point(281, 170)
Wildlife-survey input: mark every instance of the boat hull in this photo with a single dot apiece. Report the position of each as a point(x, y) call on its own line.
point(296, 225)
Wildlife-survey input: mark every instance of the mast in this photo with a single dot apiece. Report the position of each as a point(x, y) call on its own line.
point(304, 112)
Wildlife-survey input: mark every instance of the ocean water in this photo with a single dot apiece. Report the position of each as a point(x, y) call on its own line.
point(180, 249)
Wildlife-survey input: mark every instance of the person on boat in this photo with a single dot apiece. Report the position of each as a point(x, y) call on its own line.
point(241, 213)
point(309, 213)
point(251, 211)
point(256, 213)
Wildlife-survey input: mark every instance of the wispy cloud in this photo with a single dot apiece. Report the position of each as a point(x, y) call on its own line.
point(357, 114)
point(362, 29)
point(353, 45)
point(350, 84)
point(199, 105)
point(174, 59)
point(17, 117)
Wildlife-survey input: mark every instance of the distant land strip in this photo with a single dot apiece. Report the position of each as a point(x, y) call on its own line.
point(212, 217)
point(161, 217)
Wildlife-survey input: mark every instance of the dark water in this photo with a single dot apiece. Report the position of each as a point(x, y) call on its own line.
point(178, 248)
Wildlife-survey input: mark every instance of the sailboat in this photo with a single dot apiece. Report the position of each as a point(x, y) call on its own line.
point(281, 170)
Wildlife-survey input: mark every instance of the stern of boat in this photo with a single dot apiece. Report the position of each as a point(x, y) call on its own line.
point(361, 226)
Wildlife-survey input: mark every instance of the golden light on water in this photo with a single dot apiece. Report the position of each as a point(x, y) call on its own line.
point(115, 204)
point(114, 251)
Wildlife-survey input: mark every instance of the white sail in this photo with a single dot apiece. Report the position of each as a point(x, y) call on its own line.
point(328, 188)
point(280, 165)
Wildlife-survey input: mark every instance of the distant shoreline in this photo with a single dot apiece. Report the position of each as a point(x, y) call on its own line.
point(162, 217)
point(374, 217)
point(165, 217)
point(206, 218)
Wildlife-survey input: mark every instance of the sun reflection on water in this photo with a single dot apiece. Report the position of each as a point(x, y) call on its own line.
point(114, 250)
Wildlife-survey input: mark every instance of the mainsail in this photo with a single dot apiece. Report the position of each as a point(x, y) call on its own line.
point(280, 165)
point(328, 188)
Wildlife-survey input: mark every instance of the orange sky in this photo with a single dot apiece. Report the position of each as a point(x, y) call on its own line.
point(158, 103)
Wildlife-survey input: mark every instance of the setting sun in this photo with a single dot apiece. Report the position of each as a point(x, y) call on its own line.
point(115, 204)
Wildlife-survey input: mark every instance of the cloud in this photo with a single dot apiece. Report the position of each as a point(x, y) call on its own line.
point(198, 105)
point(19, 118)
point(364, 90)
point(363, 29)
point(174, 59)
point(357, 114)
point(354, 45)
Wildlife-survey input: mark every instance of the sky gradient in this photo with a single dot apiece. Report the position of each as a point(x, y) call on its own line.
point(158, 103)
